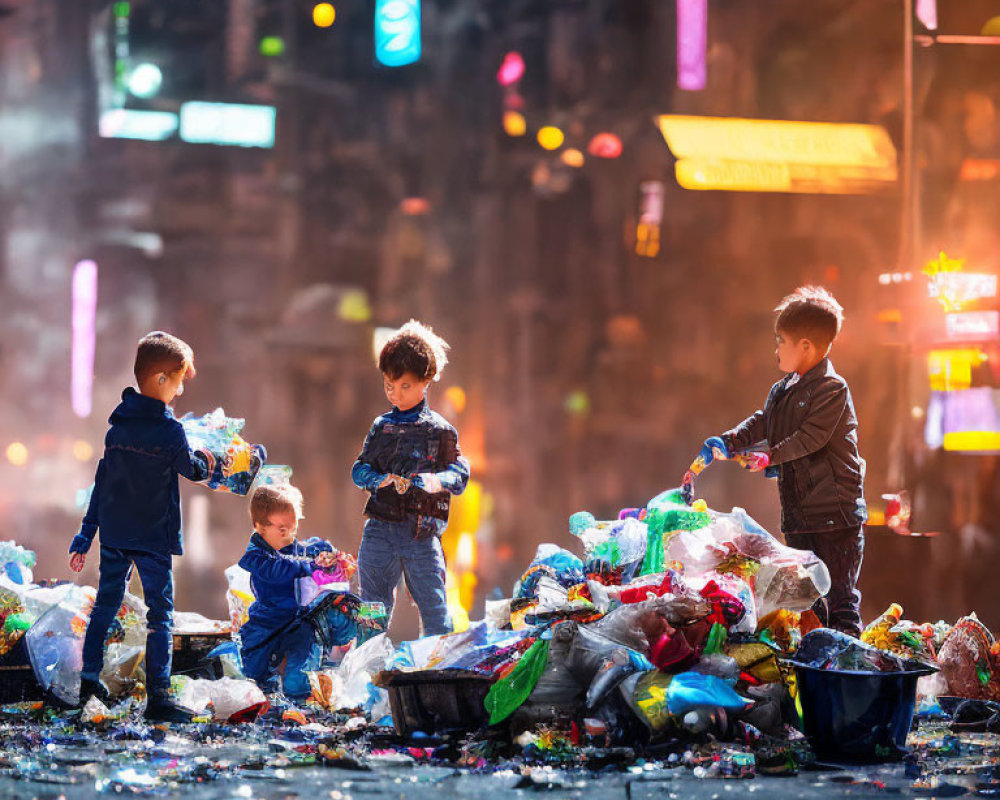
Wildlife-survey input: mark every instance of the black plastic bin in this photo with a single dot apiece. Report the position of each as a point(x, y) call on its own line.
point(434, 701)
point(857, 716)
point(17, 678)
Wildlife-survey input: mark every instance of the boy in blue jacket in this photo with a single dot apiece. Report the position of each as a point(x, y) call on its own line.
point(136, 507)
point(279, 627)
point(411, 464)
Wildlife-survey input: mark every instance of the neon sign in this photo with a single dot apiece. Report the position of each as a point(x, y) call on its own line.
point(397, 32)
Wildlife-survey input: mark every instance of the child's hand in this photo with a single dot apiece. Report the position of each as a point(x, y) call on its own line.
point(402, 484)
point(429, 482)
point(387, 480)
point(325, 559)
point(76, 561)
point(754, 462)
point(714, 448)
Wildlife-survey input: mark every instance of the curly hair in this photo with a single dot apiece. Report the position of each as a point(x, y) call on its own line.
point(414, 348)
point(810, 312)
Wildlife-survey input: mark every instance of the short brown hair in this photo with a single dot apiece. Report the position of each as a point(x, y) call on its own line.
point(414, 348)
point(268, 500)
point(810, 312)
point(161, 352)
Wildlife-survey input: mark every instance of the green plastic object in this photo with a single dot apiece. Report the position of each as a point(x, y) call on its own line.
point(507, 694)
point(716, 640)
point(668, 512)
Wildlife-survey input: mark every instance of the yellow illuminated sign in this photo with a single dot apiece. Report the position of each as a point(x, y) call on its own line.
point(972, 441)
point(951, 370)
point(778, 156)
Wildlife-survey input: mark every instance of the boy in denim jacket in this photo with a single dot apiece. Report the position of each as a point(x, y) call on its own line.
point(136, 506)
point(411, 464)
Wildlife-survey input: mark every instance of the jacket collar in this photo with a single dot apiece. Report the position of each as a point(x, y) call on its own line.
point(259, 541)
point(411, 413)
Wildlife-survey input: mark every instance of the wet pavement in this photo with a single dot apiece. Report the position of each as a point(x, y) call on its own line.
point(209, 762)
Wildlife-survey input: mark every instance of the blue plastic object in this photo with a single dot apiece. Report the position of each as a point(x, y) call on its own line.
point(690, 690)
point(857, 716)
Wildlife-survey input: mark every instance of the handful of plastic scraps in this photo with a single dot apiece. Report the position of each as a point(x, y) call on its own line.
point(234, 462)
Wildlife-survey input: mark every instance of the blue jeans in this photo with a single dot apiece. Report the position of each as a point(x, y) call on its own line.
point(273, 635)
point(388, 550)
point(158, 589)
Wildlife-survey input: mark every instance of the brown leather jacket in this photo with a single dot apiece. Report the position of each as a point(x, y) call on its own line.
point(809, 428)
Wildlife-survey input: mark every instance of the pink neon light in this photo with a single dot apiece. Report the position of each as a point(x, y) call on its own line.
point(512, 69)
point(692, 44)
point(927, 14)
point(84, 335)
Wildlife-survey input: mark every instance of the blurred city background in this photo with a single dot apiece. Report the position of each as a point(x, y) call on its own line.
point(568, 192)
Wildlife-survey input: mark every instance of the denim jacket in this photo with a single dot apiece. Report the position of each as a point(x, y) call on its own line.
point(410, 443)
point(136, 502)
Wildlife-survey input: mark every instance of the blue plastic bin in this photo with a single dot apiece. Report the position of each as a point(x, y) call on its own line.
point(857, 716)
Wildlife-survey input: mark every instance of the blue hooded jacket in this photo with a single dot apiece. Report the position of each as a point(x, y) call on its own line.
point(273, 575)
point(136, 502)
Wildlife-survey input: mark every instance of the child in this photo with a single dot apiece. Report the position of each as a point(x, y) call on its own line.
point(278, 626)
point(136, 506)
point(810, 435)
point(410, 463)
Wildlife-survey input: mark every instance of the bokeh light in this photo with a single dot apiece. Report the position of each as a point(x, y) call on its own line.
point(551, 138)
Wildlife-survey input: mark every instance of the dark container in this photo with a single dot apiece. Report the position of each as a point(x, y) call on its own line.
point(434, 701)
point(857, 717)
point(17, 678)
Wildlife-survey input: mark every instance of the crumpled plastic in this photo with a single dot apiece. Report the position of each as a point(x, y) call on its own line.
point(510, 692)
point(239, 596)
point(16, 562)
point(55, 642)
point(969, 661)
point(659, 699)
point(551, 561)
point(784, 578)
point(825, 648)
point(230, 699)
point(349, 685)
point(236, 462)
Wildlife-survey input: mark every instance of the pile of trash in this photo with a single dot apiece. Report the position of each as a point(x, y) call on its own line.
point(678, 636)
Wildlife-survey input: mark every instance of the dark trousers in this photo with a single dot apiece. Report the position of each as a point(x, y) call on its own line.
point(841, 550)
point(158, 590)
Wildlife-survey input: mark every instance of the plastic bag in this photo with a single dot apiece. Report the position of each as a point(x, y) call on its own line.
point(690, 690)
point(551, 561)
point(236, 461)
point(16, 562)
point(825, 648)
point(967, 662)
point(230, 699)
point(350, 684)
point(510, 692)
point(239, 596)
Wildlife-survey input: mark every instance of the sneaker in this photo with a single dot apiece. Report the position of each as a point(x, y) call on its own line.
point(166, 709)
point(89, 688)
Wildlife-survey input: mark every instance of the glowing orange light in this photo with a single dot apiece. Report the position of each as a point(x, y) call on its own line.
point(456, 396)
point(572, 157)
point(551, 138)
point(605, 145)
point(514, 123)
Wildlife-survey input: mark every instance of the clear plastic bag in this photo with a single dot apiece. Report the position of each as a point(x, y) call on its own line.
point(236, 461)
point(239, 596)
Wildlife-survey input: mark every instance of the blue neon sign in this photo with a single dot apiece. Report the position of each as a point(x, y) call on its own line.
point(397, 32)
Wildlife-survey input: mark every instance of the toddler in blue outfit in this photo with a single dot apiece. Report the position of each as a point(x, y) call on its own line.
point(279, 627)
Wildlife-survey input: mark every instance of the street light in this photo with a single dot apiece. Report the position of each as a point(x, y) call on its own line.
point(145, 80)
